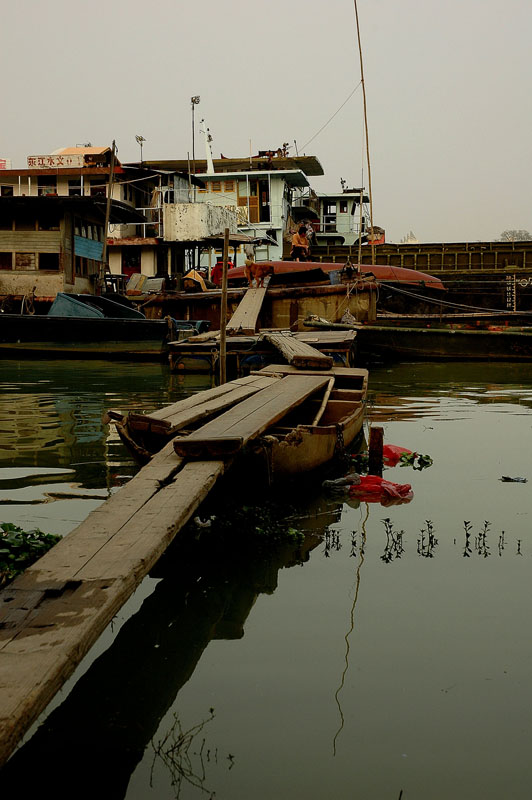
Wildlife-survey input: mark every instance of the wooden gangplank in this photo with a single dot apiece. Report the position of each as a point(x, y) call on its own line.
point(246, 316)
point(228, 433)
point(297, 352)
point(172, 418)
point(52, 614)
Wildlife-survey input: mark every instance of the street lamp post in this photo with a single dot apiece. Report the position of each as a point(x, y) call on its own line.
point(140, 141)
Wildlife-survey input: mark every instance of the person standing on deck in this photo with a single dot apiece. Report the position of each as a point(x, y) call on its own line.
point(300, 247)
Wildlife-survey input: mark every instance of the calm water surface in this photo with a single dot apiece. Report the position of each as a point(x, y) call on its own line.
point(390, 654)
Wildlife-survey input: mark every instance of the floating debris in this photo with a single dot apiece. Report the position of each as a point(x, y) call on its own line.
point(507, 479)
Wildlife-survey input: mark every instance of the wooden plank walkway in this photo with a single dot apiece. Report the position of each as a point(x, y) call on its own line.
point(297, 352)
point(245, 318)
point(170, 419)
point(52, 614)
point(229, 432)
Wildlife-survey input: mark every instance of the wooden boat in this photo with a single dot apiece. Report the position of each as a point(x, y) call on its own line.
point(88, 326)
point(451, 343)
point(313, 271)
point(246, 353)
point(289, 420)
point(312, 435)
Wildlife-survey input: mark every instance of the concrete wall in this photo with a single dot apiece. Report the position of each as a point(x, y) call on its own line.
point(45, 284)
point(185, 222)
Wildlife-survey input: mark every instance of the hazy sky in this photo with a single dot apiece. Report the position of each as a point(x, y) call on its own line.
point(448, 83)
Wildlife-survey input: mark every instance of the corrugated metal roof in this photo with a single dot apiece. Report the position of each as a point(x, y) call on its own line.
point(87, 151)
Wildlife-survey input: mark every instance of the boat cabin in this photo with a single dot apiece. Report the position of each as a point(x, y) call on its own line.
point(51, 244)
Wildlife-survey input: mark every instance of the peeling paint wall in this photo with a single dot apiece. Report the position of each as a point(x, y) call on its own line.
point(186, 222)
point(45, 284)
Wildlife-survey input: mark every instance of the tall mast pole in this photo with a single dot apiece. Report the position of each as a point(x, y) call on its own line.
point(194, 102)
point(367, 135)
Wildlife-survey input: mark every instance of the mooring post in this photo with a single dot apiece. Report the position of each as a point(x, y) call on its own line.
point(223, 311)
point(376, 437)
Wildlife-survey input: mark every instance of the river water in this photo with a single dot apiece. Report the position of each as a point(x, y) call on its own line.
point(389, 654)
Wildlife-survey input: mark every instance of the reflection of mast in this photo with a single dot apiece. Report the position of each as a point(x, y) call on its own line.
point(351, 628)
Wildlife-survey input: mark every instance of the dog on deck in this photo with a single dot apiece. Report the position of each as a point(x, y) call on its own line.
point(257, 272)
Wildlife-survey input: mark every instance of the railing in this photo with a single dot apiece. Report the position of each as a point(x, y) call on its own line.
point(329, 224)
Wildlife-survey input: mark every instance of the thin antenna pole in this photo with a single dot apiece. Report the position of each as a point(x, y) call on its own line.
point(367, 135)
point(107, 212)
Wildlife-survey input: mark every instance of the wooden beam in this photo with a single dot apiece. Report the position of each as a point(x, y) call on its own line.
point(298, 353)
point(245, 319)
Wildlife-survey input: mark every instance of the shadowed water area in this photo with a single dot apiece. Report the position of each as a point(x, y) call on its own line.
point(387, 653)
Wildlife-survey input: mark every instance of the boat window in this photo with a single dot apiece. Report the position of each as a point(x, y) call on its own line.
point(343, 206)
point(229, 186)
point(6, 260)
point(131, 256)
point(46, 184)
point(74, 187)
point(25, 223)
point(24, 261)
point(98, 187)
point(216, 186)
point(6, 191)
point(81, 266)
point(48, 222)
point(49, 261)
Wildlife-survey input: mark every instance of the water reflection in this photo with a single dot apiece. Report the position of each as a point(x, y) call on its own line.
point(113, 712)
point(421, 390)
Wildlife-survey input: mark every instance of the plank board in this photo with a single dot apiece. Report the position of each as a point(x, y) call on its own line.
point(52, 614)
point(170, 419)
point(246, 316)
point(288, 369)
point(249, 418)
point(298, 353)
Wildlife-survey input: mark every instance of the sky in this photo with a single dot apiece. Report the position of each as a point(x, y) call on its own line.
point(448, 89)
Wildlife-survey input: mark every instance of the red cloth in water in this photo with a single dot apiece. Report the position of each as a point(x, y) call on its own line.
point(391, 454)
point(373, 489)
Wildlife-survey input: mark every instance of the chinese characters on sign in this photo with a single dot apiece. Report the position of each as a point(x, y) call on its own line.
point(52, 162)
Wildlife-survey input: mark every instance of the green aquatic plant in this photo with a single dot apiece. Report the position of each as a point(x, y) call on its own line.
point(19, 549)
point(415, 460)
point(186, 766)
point(255, 526)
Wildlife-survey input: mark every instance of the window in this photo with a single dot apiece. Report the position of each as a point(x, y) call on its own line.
point(81, 266)
point(6, 224)
point(46, 184)
point(25, 224)
point(6, 260)
point(131, 255)
point(24, 261)
point(216, 186)
point(48, 222)
point(343, 206)
point(98, 187)
point(229, 186)
point(49, 261)
point(74, 187)
point(6, 191)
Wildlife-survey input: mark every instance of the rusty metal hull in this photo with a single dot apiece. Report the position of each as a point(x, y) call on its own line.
point(447, 344)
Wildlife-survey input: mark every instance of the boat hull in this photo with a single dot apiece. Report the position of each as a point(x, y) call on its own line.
point(433, 344)
point(308, 448)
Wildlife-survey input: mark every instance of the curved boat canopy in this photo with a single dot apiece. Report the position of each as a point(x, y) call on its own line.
point(382, 273)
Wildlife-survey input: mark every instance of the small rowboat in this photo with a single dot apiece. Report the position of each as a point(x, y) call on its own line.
point(294, 420)
point(317, 431)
